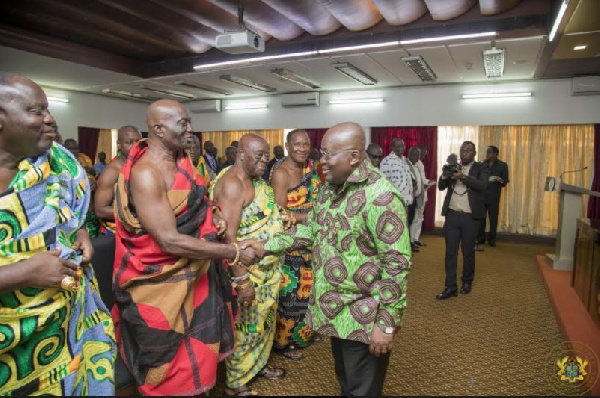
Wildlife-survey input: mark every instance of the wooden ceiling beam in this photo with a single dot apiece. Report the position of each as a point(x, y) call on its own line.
point(197, 39)
point(56, 48)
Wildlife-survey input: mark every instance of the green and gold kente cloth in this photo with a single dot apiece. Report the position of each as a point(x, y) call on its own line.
point(52, 341)
point(255, 328)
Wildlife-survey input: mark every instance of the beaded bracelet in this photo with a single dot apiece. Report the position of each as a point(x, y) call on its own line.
point(240, 278)
point(237, 255)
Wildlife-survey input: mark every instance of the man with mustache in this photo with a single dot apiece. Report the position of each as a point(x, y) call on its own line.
point(169, 280)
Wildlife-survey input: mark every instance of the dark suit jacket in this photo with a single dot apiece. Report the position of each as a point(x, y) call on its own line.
point(219, 166)
point(476, 181)
point(493, 190)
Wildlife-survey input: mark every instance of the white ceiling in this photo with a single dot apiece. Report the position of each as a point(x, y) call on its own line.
point(449, 62)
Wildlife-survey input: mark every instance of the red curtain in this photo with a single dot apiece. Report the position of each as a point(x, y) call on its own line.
point(594, 202)
point(316, 136)
point(88, 140)
point(412, 136)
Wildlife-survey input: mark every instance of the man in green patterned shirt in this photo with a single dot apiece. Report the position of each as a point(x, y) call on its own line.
point(361, 259)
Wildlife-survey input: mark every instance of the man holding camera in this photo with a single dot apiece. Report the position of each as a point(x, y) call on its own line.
point(463, 209)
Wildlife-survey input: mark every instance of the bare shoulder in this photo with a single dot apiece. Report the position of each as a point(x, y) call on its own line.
point(281, 172)
point(230, 185)
point(146, 178)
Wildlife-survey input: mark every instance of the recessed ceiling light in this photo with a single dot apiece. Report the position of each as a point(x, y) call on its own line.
point(579, 48)
point(203, 87)
point(171, 93)
point(57, 99)
point(524, 94)
point(247, 83)
point(421, 68)
point(294, 78)
point(493, 62)
point(356, 100)
point(355, 73)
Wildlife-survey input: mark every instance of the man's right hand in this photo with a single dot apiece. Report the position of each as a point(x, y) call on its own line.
point(48, 269)
point(251, 251)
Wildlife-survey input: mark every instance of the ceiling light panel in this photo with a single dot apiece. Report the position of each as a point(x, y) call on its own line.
point(129, 95)
point(171, 93)
point(290, 76)
point(247, 83)
point(202, 87)
point(421, 68)
point(355, 73)
point(493, 62)
point(524, 94)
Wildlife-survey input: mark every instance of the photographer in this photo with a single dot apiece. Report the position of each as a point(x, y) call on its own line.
point(463, 209)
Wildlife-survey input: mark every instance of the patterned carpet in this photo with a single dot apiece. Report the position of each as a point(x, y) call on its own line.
point(501, 339)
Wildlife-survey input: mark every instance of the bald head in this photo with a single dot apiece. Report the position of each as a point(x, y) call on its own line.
point(127, 137)
point(342, 151)
point(160, 110)
point(124, 130)
point(26, 125)
point(170, 124)
point(350, 133)
point(253, 155)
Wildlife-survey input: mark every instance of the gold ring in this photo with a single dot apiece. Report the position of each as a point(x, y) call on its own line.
point(68, 283)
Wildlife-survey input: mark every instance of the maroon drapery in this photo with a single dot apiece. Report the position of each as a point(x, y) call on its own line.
point(412, 136)
point(316, 136)
point(88, 140)
point(594, 202)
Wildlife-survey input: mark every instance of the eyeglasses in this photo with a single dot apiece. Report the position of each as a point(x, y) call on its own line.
point(325, 154)
point(374, 156)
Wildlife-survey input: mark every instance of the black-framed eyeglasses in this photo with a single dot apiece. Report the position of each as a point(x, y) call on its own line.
point(325, 154)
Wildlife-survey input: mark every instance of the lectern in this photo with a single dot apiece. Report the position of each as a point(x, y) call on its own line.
point(569, 210)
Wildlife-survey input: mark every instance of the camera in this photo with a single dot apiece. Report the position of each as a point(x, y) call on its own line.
point(451, 167)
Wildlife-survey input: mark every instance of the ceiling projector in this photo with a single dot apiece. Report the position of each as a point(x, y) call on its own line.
point(240, 42)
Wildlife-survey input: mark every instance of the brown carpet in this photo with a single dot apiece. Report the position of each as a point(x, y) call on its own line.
point(500, 339)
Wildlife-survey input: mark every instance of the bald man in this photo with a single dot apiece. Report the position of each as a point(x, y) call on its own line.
point(361, 259)
point(249, 207)
point(56, 335)
point(174, 302)
point(103, 199)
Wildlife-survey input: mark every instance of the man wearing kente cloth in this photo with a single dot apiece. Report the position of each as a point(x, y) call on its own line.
point(174, 303)
point(361, 259)
point(56, 336)
point(296, 185)
point(249, 207)
point(105, 192)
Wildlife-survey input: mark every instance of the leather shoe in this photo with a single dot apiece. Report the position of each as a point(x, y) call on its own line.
point(493, 244)
point(446, 294)
point(466, 288)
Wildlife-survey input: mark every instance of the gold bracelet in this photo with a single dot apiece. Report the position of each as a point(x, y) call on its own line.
point(237, 255)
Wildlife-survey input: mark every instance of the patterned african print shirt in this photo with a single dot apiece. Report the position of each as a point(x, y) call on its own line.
point(399, 172)
point(361, 256)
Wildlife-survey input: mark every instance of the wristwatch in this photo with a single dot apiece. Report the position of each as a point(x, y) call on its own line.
point(386, 329)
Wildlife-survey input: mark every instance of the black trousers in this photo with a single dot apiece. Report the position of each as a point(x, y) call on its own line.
point(358, 372)
point(492, 209)
point(460, 228)
point(410, 214)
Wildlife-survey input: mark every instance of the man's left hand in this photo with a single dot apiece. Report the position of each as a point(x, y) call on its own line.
point(220, 224)
point(84, 243)
point(381, 343)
